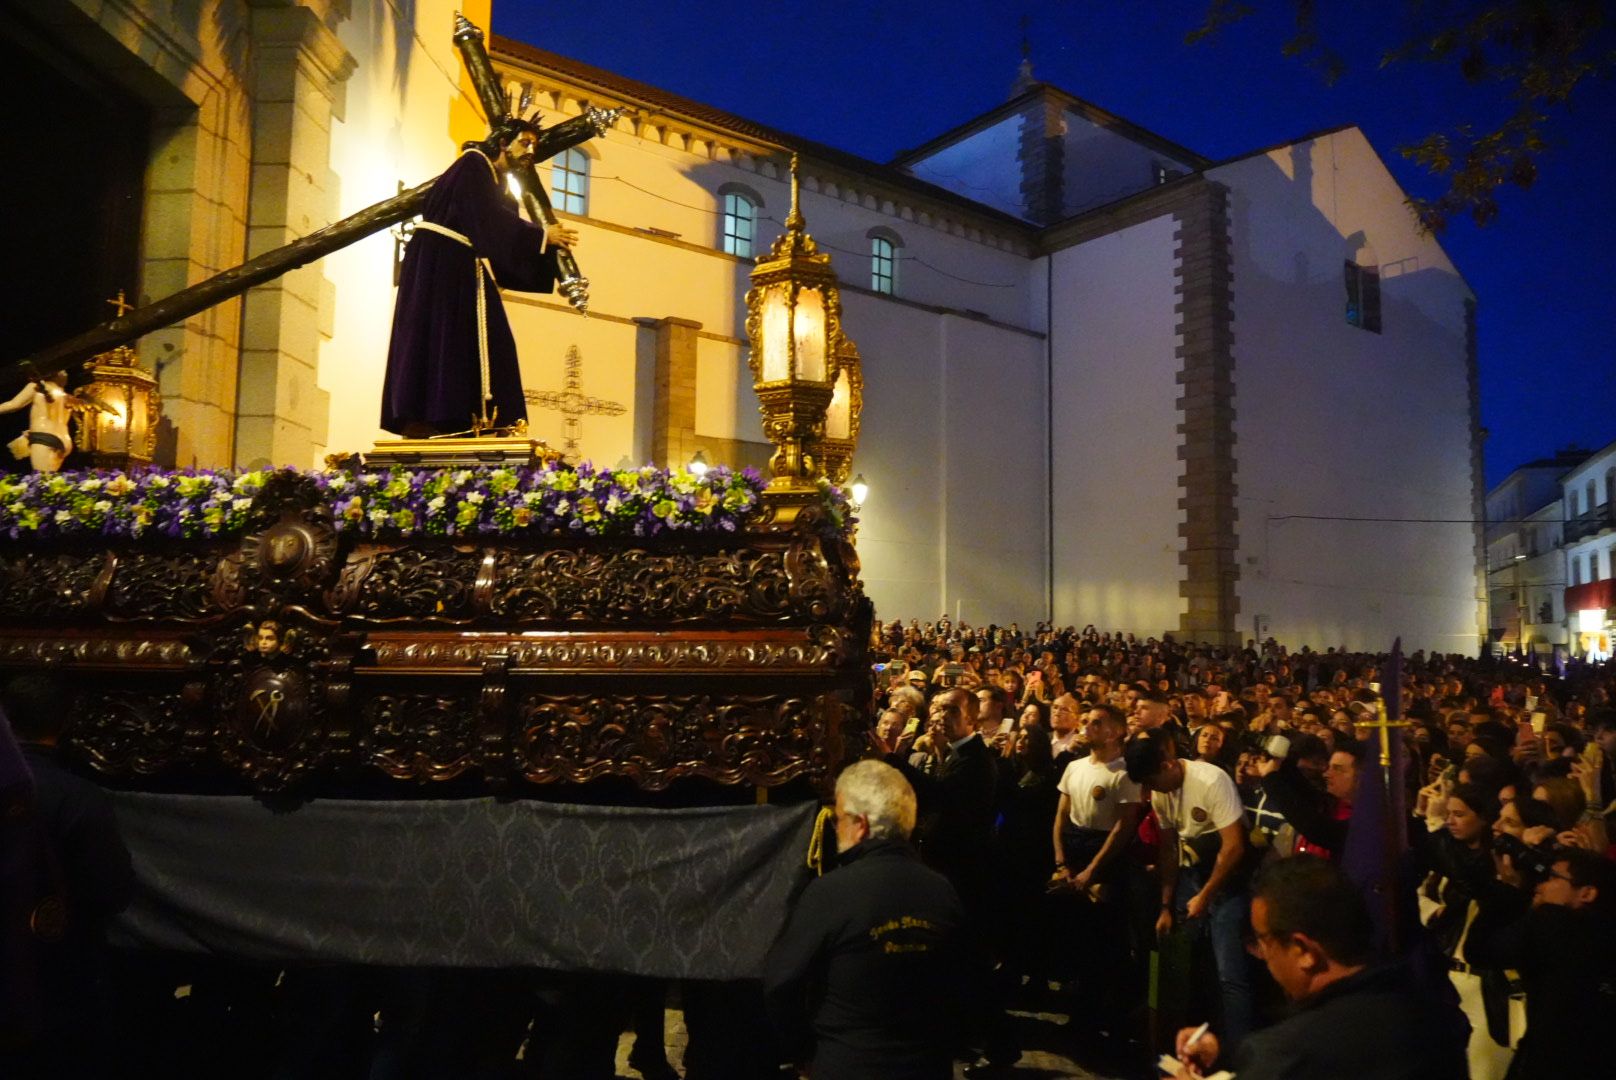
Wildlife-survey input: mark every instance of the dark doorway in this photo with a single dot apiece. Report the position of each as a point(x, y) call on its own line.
point(75, 148)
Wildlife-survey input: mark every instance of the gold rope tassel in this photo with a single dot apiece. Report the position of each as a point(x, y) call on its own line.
point(816, 843)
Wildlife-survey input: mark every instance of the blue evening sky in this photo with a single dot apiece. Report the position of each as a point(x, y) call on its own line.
point(878, 77)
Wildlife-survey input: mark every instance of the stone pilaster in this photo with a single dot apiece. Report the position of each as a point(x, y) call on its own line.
point(673, 409)
point(1043, 159)
point(1205, 290)
point(298, 70)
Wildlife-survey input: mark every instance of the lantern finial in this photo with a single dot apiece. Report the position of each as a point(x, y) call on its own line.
point(794, 220)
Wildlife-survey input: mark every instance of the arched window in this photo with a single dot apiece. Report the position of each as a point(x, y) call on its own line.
point(884, 245)
point(569, 181)
point(738, 221)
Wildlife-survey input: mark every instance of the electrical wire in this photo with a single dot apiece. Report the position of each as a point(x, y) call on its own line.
point(1406, 521)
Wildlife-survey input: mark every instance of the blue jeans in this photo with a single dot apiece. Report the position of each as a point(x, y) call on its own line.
point(1224, 922)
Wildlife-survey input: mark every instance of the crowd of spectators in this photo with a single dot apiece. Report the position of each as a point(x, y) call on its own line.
point(1114, 811)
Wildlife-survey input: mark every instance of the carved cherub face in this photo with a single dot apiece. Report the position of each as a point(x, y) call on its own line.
point(268, 639)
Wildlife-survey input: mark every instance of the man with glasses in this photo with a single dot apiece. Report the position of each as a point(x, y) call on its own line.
point(1350, 1017)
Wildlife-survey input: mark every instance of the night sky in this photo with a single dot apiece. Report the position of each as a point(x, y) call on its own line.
point(879, 77)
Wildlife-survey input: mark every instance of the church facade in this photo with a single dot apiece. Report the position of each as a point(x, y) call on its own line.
point(1107, 380)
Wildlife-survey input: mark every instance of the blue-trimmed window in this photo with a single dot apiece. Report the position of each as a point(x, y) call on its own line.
point(740, 224)
point(883, 265)
point(569, 182)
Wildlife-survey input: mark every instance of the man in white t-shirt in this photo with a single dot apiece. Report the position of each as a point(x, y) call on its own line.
point(1203, 843)
point(1097, 817)
point(1099, 806)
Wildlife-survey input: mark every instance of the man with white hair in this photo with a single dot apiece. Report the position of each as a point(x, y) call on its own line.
point(870, 965)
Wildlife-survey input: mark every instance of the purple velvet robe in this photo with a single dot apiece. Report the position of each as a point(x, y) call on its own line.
point(433, 375)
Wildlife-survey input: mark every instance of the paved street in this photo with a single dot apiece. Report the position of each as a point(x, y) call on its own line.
point(1045, 1049)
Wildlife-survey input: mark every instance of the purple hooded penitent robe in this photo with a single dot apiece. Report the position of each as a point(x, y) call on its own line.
point(433, 363)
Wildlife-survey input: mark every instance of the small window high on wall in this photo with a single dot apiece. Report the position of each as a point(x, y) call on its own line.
point(569, 182)
point(1363, 296)
point(740, 224)
point(883, 265)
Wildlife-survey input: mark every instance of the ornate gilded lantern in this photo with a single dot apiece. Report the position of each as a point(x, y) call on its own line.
point(793, 322)
point(834, 450)
point(119, 429)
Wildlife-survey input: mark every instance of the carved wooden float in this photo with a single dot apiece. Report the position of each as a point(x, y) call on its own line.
point(485, 664)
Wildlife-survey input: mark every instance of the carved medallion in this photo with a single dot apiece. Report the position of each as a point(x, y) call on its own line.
point(273, 710)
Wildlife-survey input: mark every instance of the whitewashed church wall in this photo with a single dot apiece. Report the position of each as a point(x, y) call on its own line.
point(1333, 421)
point(1115, 444)
point(900, 454)
point(954, 518)
point(993, 462)
point(983, 166)
point(1101, 166)
point(726, 407)
point(608, 371)
point(395, 128)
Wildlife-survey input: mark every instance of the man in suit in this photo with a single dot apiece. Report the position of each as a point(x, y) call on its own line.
point(956, 838)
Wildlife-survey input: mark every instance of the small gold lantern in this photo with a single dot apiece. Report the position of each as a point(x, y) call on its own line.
point(793, 322)
point(834, 450)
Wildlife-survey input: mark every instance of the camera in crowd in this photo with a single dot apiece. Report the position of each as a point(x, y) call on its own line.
point(1531, 861)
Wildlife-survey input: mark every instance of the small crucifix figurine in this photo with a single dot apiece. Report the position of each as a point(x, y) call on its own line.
point(1384, 725)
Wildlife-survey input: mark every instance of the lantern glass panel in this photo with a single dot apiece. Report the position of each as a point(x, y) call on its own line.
point(115, 425)
point(808, 329)
point(839, 417)
point(776, 334)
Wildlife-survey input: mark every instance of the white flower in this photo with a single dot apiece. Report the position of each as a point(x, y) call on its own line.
point(435, 503)
point(474, 497)
point(338, 482)
point(103, 505)
point(91, 483)
point(240, 504)
point(378, 517)
point(63, 517)
point(563, 506)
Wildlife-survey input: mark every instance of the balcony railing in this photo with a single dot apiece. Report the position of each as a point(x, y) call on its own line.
point(1594, 521)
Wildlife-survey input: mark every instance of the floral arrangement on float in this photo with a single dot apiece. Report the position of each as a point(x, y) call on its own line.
point(397, 502)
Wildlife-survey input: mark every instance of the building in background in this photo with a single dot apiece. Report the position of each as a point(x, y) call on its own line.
point(1107, 379)
point(1526, 580)
point(1589, 495)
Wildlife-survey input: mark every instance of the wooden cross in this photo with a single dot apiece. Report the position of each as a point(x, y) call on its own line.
point(571, 401)
point(1384, 725)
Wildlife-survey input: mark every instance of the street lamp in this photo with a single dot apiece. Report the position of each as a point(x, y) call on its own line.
point(793, 324)
point(860, 491)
